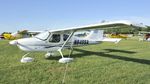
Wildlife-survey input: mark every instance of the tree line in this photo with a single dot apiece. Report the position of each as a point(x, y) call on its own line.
point(128, 30)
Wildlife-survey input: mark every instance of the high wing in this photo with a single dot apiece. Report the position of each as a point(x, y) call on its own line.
point(105, 25)
point(102, 26)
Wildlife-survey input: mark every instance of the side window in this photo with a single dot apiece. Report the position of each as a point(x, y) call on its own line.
point(65, 36)
point(55, 38)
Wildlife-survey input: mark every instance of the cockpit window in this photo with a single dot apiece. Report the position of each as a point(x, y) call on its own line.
point(43, 35)
point(55, 38)
point(65, 36)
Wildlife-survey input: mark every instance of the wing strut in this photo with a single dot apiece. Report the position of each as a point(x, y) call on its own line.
point(60, 50)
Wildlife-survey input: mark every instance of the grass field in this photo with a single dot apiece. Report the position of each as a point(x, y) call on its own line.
point(127, 62)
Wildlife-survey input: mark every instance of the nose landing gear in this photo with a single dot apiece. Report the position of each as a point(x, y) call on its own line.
point(26, 59)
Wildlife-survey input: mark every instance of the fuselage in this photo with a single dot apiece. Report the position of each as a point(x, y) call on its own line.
point(50, 42)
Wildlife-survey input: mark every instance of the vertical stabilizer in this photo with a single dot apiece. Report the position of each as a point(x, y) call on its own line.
point(98, 35)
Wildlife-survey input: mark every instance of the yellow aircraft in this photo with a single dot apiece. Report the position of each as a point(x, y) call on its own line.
point(8, 36)
point(118, 36)
point(19, 34)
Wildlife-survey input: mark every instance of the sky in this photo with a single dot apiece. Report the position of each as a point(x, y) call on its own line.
point(37, 15)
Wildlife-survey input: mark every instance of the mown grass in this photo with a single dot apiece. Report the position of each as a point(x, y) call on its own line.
point(127, 62)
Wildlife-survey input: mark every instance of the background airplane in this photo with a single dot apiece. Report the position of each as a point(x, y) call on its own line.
point(19, 34)
point(115, 35)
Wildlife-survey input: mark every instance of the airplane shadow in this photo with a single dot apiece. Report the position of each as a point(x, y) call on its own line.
point(122, 51)
point(105, 54)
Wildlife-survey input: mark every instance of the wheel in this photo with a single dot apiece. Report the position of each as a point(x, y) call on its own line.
point(48, 55)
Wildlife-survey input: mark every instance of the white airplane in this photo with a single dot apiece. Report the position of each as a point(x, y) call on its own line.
point(59, 39)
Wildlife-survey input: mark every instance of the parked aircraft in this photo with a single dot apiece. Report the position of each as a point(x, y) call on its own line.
point(59, 39)
point(118, 36)
point(19, 34)
point(144, 36)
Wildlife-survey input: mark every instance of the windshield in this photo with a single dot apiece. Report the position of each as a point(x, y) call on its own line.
point(43, 35)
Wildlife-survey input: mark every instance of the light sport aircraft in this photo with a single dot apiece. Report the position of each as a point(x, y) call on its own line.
point(20, 34)
point(59, 39)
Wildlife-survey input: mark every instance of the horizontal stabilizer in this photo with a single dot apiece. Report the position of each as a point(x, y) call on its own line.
point(115, 40)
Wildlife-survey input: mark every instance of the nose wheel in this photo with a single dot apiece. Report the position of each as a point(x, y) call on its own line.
point(26, 59)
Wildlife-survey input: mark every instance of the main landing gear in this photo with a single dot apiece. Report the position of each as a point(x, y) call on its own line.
point(48, 55)
point(66, 59)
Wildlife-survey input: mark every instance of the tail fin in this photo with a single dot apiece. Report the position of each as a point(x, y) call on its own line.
point(98, 35)
point(95, 35)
